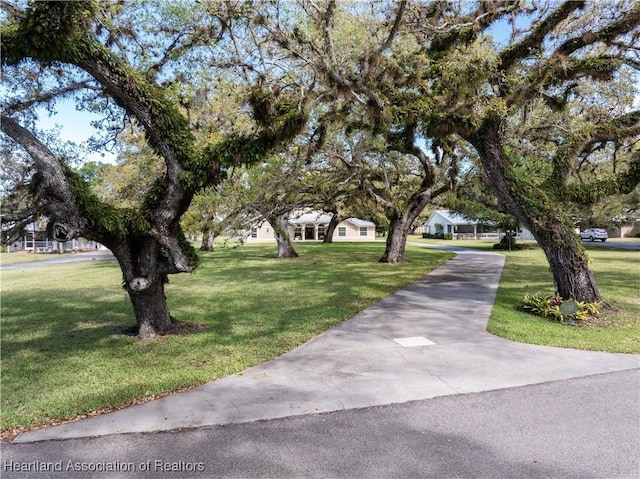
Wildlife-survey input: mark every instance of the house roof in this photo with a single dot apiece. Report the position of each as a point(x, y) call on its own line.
point(452, 217)
point(311, 218)
point(324, 218)
point(359, 222)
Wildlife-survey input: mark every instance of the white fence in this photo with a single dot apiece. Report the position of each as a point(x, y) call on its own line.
point(49, 246)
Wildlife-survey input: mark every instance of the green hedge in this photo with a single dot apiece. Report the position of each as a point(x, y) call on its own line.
point(442, 236)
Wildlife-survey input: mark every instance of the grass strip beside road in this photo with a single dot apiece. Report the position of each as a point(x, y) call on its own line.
point(23, 257)
point(617, 273)
point(63, 356)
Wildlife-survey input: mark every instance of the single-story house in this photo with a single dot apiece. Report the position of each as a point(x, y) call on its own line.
point(461, 227)
point(35, 240)
point(27, 243)
point(312, 227)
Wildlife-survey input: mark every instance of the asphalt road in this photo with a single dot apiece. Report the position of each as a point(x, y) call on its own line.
point(100, 255)
point(635, 246)
point(585, 428)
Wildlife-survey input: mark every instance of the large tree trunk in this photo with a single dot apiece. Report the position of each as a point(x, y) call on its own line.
point(143, 265)
point(208, 237)
point(333, 224)
point(396, 242)
point(571, 273)
point(144, 261)
point(283, 240)
point(150, 307)
point(400, 226)
point(148, 243)
point(546, 221)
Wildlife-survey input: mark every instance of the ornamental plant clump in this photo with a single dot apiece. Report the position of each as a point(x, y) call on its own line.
point(549, 306)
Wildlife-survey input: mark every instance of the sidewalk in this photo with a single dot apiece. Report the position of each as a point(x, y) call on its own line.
point(426, 340)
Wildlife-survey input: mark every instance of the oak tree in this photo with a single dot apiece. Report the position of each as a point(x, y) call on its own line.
point(98, 46)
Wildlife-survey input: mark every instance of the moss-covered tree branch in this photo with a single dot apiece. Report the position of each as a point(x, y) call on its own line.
point(533, 41)
point(622, 183)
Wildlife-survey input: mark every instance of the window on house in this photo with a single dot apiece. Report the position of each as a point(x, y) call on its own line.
point(297, 233)
point(254, 233)
point(342, 231)
point(320, 232)
point(363, 231)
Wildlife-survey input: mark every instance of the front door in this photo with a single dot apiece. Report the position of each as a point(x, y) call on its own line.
point(309, 233)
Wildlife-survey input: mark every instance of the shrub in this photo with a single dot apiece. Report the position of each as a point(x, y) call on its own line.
point(444, 236)
point(514, 246)
point(548, 306)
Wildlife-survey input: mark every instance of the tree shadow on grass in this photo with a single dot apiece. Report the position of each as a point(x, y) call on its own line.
point(64, 328)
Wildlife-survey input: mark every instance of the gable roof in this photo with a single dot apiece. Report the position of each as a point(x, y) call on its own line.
point(319, 218)
point(360, 223)
point(310, 218)
point(452, 217)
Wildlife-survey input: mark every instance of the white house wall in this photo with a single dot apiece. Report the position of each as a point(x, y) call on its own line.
point(352, 232)
point(345, 231)
point(262, 234)
point(437, 218)
point(450, 227)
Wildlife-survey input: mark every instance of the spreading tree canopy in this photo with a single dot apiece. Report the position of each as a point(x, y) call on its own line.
point(444, 72)
point(136, 57)
point(538, 108)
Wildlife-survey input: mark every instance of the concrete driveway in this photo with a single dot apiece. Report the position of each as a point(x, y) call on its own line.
point(412, 387)
point(425, 341)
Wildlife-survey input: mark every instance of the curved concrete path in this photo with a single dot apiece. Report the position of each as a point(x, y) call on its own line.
point(426, 340)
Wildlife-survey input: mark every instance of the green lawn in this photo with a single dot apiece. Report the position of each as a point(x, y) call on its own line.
point(617, 273)
point(63, 356)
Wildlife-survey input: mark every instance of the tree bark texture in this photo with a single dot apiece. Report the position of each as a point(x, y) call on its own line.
point(396, 243)
point(333, 224)
point(150, 307)
point(141, 263)
point(546, 220)
point(283, 240)
point(400, 225)
point(208, 237)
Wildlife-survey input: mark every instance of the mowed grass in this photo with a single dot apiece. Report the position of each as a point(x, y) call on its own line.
point(617, 273)
point(63, 355)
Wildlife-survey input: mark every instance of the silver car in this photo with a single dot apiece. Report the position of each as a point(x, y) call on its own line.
point(593, 234)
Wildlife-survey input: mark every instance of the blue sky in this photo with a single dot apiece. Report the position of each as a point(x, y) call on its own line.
point(74, 126)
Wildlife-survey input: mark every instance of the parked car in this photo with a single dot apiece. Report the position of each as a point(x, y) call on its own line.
point(593, 234)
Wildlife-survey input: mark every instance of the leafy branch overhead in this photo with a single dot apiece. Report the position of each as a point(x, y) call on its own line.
point(395, 101)
point(148, 241)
